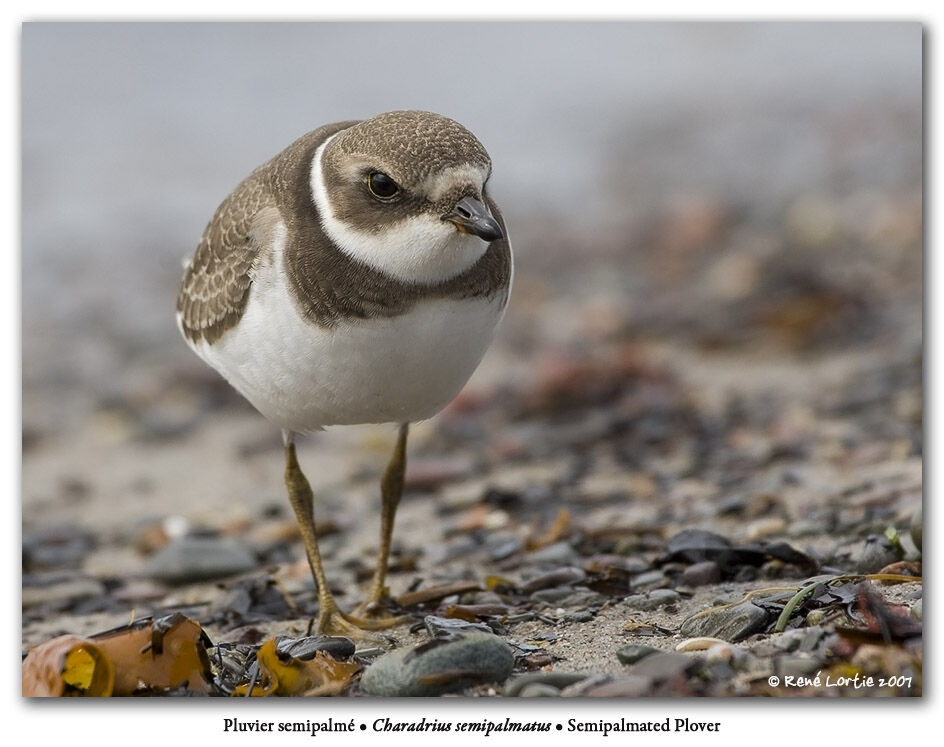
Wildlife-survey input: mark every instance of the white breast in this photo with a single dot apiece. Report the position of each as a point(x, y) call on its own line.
point(398, 369)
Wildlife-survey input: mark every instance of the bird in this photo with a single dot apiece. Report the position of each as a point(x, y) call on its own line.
point(359, 276)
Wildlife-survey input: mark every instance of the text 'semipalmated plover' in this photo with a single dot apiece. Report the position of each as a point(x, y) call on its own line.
point(357, 277)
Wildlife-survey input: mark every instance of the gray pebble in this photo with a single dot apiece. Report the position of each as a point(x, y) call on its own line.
point(560, 553)
point(728, 623)
point(804, 528)
point(695, 545)
point(578, 616)
point(653, 600)
point(649, 580)
point(632, 686)
point(557, 680)
point(67, 590)
point(664, 665)
point(551, 596)
point(539, 690)
point(440, 666)
point(582, 598)
point(305, 648)
point(635, 652)
point(702, 574)
point(57, 546)
point(439, 625)
point(558, 577)
point(198, 558)
point(917, 610)
point(875, 553)
point(798, 666)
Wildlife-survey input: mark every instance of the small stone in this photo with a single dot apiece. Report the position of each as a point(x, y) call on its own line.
point(798, 666)
point(578, 616)
point(439, 625)
point(632, 686)
point(551, 596)
point(559, 553)
point(539, 690)
point(726, 653)
point(917, 610)
point(728, 623)
point(426, 474)
point(804, 528)
point(635, 652)
point(56, 546)
point(766, 527)
point(338, 647)
point(558, 577)
point(582, 598)
point(198, 558)
point(664, 665)
point(440, 666)
point(60, 590)
point(649, 580)
point(695, 545)
point(701, 574)
point(875, 553)
point(652, 600)
point(557, 680)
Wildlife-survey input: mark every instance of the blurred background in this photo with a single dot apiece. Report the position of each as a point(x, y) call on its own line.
point(717, 213)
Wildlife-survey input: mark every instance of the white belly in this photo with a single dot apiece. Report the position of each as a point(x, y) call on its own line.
point(398, 369)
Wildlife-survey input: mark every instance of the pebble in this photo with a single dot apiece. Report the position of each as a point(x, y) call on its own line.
point(440, 666)
point(60, 591)
point(701, 574)
point(338, 647)
point(649, 580)
point(766, 527)
point(804, 528)
point(559, 553)
point(652, 600)
point(727, 623)
point(551, 596)
point(874, 554)
point(582, 598)
point(198, 558)
point(664, 665)
point(695, 545)
point(437, 626)
point(726, 653)
point(635, 652)
point(557, 680)
point(58, 546)
point(558, 577)
point(632, 686)
point(917, 610)
point(539, 690)
point(798, 666)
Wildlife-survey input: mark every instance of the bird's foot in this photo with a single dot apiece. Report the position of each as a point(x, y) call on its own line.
point(332, 621)
point(374, 613)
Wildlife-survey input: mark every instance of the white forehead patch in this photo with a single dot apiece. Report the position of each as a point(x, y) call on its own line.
point(441, 183)
point(421, 249)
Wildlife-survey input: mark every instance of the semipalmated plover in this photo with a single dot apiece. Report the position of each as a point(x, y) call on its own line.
point(357, 277)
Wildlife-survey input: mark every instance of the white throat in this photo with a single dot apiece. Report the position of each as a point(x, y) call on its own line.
point(422, 249)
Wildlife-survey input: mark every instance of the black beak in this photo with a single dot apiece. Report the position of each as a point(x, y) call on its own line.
point(471, 216)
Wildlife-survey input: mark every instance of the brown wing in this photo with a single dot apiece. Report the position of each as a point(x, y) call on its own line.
point(215, 287)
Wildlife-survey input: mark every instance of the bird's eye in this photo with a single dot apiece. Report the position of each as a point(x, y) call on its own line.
point(381, 185)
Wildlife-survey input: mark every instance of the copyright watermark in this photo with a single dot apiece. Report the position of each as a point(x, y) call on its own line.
point(857, 682)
